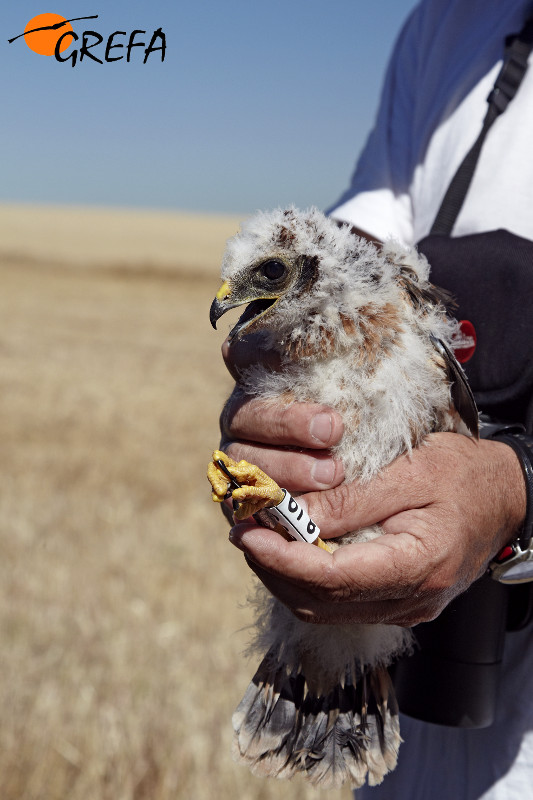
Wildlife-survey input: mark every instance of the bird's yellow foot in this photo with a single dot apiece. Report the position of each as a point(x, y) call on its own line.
point(257, 490)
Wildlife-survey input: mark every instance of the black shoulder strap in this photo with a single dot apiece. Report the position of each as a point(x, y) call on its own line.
point(518, 48)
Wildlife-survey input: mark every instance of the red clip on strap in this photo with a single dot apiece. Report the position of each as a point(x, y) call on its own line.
point(464, 341)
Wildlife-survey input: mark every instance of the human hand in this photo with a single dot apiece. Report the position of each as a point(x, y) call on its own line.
point(445, 510)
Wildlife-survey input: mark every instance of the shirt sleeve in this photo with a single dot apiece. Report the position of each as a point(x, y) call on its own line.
point(378, 199)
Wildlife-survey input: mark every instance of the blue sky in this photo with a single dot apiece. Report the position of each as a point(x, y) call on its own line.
point(256, 104)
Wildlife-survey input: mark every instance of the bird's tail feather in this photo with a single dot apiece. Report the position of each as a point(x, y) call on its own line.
point(348, 734)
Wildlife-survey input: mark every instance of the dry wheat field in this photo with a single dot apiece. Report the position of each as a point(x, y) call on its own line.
point(120, 598)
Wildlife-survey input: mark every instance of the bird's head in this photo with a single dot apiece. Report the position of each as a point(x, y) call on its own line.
point(262, 284)
point(310, 286)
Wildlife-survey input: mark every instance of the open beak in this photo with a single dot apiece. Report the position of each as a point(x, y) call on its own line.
point(223, 302)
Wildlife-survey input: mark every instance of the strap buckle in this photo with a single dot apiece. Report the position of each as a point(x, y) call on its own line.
point(513, 564)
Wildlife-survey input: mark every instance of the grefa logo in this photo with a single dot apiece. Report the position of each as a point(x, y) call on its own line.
point(52, 34)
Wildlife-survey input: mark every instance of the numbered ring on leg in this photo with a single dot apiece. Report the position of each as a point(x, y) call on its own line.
point(292, 517)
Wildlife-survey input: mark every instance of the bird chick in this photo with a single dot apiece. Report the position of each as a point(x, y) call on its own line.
point(360, 329)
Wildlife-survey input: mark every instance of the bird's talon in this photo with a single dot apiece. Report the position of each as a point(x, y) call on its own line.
point(257, 492)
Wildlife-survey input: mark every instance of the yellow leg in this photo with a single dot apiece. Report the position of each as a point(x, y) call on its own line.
point(323, 544)
point(257, 489)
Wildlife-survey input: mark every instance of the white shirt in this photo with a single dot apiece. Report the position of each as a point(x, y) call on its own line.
point(434, 99)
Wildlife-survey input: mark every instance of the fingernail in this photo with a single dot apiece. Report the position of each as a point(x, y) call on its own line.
point(323, 472)
point(321, 427)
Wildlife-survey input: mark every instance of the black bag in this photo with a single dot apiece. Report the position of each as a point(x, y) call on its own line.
point(490, 276)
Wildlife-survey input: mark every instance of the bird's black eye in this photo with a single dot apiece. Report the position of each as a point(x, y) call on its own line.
point(273, 270)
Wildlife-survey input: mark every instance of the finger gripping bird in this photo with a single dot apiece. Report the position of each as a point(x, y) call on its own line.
point(361, 329)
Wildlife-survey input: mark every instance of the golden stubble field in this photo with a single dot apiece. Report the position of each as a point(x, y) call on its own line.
point(120, 618)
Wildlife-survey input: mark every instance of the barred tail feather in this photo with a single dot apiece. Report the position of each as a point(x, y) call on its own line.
point(383, 727)
point(346, 735)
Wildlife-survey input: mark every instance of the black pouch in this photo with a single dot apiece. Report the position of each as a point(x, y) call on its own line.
point(490, 276)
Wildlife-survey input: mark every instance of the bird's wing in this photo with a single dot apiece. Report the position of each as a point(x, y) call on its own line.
point(462, 396)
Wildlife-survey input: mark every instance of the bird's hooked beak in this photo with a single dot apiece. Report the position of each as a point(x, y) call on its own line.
point(221, 304)
point(224, 302)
